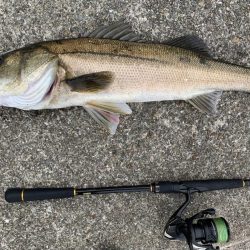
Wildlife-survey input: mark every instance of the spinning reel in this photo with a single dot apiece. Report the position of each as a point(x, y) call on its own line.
point(199, 231)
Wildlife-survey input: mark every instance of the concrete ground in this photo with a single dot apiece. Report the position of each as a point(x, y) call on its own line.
point(159, 141)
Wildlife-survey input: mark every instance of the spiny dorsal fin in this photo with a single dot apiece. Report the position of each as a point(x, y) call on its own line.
point(206, 103)
point(116, 31)
point(190, 42)
point(107, 114)
point(91, 82)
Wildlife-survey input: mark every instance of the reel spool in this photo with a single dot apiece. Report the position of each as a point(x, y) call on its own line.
point(211, 230)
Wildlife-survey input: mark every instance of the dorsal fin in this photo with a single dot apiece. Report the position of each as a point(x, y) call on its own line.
point(116, 31)
point(190, 42)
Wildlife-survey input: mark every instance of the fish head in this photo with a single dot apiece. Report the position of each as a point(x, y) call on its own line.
point(26, 76)
point(9, 71)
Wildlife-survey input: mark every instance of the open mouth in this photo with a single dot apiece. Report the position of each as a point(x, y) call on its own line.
point(52, 87)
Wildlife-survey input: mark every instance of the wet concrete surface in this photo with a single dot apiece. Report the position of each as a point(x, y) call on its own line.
point(159, 141)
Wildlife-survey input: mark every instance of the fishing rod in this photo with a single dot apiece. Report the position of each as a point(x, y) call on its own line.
point(199, 231)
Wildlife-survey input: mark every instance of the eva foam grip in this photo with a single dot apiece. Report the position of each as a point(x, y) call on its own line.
point(35, 194)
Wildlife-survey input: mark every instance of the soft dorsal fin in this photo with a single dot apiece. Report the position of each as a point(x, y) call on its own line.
point(116, 31)
point(91, 82)
point(206, 103)
point(190, 42)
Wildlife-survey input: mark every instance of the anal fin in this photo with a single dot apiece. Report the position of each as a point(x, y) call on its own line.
point(107, 114)
point(206, 103)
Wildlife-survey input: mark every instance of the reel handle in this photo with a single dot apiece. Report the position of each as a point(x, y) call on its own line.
point(35, 194)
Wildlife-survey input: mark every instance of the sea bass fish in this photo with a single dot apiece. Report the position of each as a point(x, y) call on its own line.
point(112, 66)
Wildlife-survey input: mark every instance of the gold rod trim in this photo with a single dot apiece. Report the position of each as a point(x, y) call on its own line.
point(22, 195)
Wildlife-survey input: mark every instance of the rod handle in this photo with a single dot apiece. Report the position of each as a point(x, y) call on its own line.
point(198, 186)
point(35, 194)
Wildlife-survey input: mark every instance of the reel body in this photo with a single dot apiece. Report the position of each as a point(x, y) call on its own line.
point(199, 231)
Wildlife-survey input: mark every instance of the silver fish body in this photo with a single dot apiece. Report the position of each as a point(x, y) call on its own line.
point(103, 75)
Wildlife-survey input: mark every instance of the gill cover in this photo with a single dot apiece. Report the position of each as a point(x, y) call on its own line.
point(26, 76)
point(9, 74)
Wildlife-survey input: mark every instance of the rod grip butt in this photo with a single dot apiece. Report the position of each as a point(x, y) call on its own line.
point(35, 194)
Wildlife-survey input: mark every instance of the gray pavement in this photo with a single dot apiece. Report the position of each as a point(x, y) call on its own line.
point(159, 141)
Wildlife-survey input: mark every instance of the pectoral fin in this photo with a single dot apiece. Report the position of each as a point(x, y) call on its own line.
point(206, 103)
point(91, 82)
point(107, 114)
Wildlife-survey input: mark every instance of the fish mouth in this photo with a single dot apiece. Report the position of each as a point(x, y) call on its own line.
point(52, 87)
